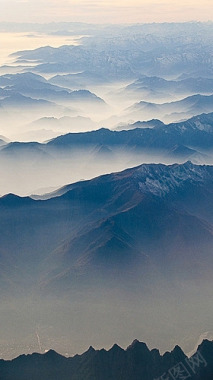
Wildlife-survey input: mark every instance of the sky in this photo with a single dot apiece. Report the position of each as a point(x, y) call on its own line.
point(102, 11)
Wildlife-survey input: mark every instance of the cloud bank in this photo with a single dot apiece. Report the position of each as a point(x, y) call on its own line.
point(117, 11)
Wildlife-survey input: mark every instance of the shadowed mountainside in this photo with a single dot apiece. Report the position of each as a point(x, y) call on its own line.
point(139, 218)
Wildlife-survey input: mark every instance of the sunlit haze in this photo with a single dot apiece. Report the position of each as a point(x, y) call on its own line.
point(124, 11)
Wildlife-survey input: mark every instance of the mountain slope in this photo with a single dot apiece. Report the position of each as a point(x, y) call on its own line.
point(119, 221)
point(139, 215)
point(103, 248)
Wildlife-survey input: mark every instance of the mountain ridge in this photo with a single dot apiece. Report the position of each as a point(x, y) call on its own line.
point(186, 171)
point(136, 362)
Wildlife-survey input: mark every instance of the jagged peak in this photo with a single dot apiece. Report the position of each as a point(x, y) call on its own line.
point(137, 344)
point(205, 344)
point(160, 179)
point(115, 348)
point(134, 343)
point(178, 351)
point(90, 349)
point(51, 352)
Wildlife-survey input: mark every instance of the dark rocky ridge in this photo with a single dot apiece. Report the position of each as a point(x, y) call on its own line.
point(137, 362)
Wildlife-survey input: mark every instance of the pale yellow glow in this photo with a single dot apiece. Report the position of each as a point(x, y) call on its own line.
point(11, 42)
point(103, 11)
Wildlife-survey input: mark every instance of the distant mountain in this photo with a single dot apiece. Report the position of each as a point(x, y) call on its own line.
point(195, 133)
point(115, 53)
point(161, 88)
point(24, 80)
point(66, 123)
point(31, 149)
point(3, 141)
point(47, 128)
point(39, 135)
point(78, 80)
point(73, 156)
point(18, 107)
point(135, 363)
point(35, 86)
point(16, 100)
point(139, 124)
point(66, 59)
point(177, 110)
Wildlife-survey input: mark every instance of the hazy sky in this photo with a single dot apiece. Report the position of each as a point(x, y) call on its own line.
point(105, 11)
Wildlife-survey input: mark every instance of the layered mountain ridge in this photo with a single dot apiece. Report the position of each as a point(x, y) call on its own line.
point(84, 155)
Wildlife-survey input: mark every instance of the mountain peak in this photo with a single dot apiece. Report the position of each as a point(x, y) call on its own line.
point(115, 348)
point(135, 364)
point(52, 354)
point(136, 344)
point(178, 352)
point(90, 349)
point(161, 179)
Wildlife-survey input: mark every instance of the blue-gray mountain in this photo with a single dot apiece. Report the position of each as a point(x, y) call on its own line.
point(178, 140)
point(195, 133)
point(171, 111)
point(36, 86)
point(84, 259)
point(141, 218)
point(75, 156)
point(159, 87)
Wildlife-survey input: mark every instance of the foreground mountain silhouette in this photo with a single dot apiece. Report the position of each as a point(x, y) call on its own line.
point(137, 362)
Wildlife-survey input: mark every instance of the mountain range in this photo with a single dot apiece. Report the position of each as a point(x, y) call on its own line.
point(36, 86)
point(131, 51)
point(155, 87)
point(169, 112)
point(160, 136)
point(194, 133)
point(74, 156)
point(31, 86)
point(47, 128)
point(137, 362)
point(26, 97)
